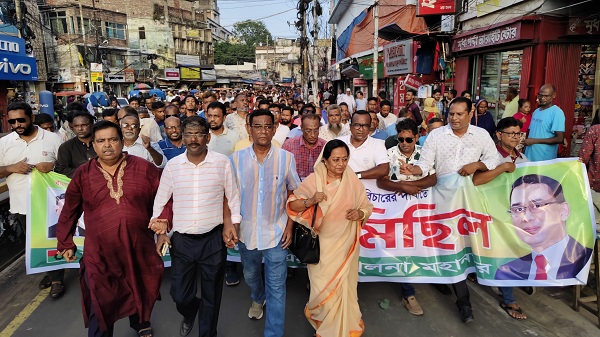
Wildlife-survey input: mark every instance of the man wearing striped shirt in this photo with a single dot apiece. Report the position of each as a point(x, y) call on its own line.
point(266, 176)
point(206, 210)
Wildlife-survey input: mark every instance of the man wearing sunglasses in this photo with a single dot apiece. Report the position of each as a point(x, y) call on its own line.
point(26, 148)
point(406, 152)
point(140, 145)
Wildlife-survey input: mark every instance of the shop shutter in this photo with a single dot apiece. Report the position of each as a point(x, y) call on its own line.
point(526, 73)
point(461, 75)
point(562, 69)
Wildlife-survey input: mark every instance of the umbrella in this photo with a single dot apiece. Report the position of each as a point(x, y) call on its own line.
point(142, 86)
point(70, 93)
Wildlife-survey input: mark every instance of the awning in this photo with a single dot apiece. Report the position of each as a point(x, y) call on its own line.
point(208, 75)
point(393, 32)
point(223, 81)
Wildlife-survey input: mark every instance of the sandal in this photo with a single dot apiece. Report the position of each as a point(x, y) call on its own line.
point(513, 312)
point(147, 332)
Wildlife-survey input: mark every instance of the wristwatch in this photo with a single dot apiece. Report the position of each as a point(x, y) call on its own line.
point(359, 175)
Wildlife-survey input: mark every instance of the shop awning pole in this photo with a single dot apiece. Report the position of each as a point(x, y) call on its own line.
point(375, 45)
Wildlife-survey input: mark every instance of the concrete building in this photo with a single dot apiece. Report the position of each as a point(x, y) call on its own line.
point(279, 63)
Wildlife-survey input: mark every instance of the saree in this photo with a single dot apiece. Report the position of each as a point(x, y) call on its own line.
point(332, 308)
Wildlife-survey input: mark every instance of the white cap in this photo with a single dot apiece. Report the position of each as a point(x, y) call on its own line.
point(348, 89)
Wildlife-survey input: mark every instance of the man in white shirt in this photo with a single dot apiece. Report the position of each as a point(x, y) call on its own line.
point(222, 139)
point(334, 129)
point(26, 148)
point(386, 118)
point(361, 101)
point(139, 145)
point(237, 121)
point(368, 156)
point(457, 147)
point(203, 226)
point(348, 99)
point(148, 126)
point(282, 131)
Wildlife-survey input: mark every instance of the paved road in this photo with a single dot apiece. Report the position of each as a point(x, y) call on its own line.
point(548, 316)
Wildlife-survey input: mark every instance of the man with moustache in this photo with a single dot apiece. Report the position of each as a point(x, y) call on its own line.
point(281, 131)
point(139, 145)
point(172, 145)
point(237, 121)
point(202, 227)
point(26, 148)
point(265, 229)
point(77, 151)
point(413, 107)
point(334, 129)
point(120, 273)
point(285, 118)
point(222, 140)
point(547, 128)
point(148, 126)
point(385, 116)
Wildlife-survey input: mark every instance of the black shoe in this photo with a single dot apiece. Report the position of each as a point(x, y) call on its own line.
point(466, 314)
point(528, 290)
point(291, 273)
point(45, 282)
point(57, 289)
point(443, 288)
point(186, 327)
point(231, 278)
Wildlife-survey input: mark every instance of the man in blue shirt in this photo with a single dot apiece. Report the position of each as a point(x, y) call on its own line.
point(547, 127)
point(172, 146)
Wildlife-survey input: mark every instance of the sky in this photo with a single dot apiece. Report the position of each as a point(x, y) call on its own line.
point(267, 11)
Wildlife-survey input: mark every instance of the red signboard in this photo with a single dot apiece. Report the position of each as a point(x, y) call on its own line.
point(583, 26)
point(399, 95)
point(436, 7)
point(359, 82)
point(487, 38)
point(412, 82)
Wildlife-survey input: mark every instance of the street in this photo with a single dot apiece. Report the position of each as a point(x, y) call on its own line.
point(547, 315)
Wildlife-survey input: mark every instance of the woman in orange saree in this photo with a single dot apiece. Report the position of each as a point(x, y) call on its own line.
point(332, 308)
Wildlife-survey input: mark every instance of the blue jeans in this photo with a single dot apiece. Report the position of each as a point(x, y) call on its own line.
point(507, 295)
point(275, 283)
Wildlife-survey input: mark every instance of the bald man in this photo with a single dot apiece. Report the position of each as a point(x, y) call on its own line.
point(547, 127)
point(172, 146)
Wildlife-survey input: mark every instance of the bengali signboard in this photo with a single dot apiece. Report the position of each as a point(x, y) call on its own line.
point(190, 73)
point(172, 74)
point(397, 58)
point(492, 37)
point(583, 26)
point(436, 7)
point(97, 77)
point(437, 236)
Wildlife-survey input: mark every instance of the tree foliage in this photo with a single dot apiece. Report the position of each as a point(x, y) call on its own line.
point(232, 53)
point(252, 33)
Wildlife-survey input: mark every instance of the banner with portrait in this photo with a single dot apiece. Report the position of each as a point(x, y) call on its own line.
point(496, 230)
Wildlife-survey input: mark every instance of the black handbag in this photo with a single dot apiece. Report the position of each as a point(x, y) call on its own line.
point(305, 242)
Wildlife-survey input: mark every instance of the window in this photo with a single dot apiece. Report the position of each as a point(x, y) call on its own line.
point(117, 60)
point(58, 22)
point(115, 30)
point(142, 33)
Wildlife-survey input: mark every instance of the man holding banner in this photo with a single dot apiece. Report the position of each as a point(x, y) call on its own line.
point(457, 147)
point(120, 273)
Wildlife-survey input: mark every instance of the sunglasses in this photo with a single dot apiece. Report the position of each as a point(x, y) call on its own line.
point(171, 115)
point(15, 120)
point(408, 140)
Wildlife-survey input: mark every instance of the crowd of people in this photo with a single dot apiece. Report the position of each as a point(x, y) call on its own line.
point(203, 173)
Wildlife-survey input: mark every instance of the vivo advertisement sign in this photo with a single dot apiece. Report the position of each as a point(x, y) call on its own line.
point(15, 65)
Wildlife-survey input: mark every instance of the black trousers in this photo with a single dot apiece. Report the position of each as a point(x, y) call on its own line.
point(207, 254)
point(462, 294)
point(55, 275)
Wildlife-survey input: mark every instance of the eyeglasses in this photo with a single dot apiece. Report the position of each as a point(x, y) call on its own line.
point(408, 140)
point(534, 207)
point(129, 126)
point(267, 127)
point(101, 141)
point(15, 120)
point(167, 116)
point(194, 135)
point(358, 126)
point(511, 134)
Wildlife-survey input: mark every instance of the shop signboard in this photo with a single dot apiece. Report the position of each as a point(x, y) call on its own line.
point(412, 82)
point(365, 67)
point(97, 77)
point(503, 34)
point(583, 26)
point(172, 74)
point(436, 7)
point(190, 73)
point(398, 58)
point(15, 65)
point(96, 67)
point(129, 75)
point(187, 60)
point(359, 82)
point(399, 95)
point(115, 78)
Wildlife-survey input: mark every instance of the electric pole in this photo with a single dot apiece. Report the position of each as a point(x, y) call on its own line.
point(303, 51)
point(375, 45)
point(85, 47)
point(315, 83)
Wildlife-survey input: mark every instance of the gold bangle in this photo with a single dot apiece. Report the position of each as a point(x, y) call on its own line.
point(364, 215)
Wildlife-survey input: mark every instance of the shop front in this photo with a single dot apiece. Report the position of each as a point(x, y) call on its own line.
point(16, 67)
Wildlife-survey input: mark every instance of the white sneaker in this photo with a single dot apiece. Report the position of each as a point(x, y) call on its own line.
point(256, 310)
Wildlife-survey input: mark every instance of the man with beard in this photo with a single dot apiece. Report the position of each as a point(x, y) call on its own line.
point(307, 147)
point(139, 145)
point(413, 108)
point(285, 118)
point(281, 131)
point(172, 145)
point(237, 121)
point(335, 128)
point(202, 227)
point(120, 273)
point(25, 148)
point(77, 151)
point(222, 140)
point(345, 113)
point(386, 118)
